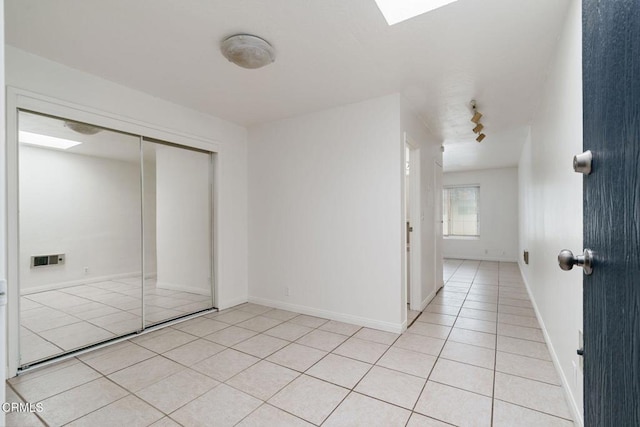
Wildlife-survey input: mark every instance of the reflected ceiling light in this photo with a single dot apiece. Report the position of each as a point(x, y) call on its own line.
point(478, 128)
point(46, 141)
point(481, 137)
point(395, 11)
point(248, 51)
point(82, 128)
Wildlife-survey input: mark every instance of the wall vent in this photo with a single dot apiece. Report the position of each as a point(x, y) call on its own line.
point(45, 260)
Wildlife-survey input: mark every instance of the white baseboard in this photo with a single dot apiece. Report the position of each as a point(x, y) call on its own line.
point(573, 406)
point(70, 283)
point(223, 305)
point(396, 328)
point(427, 300)
point(182, 288)
point(482, 258)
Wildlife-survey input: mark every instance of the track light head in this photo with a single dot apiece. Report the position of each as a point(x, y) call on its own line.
point(481, 137)
point(478, 128)
point(476, 117)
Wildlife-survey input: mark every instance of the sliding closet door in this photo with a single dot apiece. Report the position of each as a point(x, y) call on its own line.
point(177, 190)
point(80, 263)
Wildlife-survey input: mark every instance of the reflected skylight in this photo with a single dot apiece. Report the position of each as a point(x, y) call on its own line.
point(47, 141)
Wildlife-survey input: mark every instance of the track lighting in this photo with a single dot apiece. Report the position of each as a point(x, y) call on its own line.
point(477, 115)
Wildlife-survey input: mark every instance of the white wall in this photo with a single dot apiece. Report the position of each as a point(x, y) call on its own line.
point(183, 221)
point(430, 153)
point(83, 206)
point(36, 74)
point(325, 221)
point(551, 204)
point(498, 216)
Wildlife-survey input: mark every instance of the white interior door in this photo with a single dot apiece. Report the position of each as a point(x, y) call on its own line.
point(438, 225)
point(413, 191)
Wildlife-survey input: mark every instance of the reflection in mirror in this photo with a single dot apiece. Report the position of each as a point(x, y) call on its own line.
point(177, 231)
point(79, 235)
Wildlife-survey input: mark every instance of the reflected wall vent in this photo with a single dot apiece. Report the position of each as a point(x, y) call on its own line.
point(45, 260)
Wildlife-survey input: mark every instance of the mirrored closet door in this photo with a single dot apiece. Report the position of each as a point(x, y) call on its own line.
point(114, 234)
point(177, 231)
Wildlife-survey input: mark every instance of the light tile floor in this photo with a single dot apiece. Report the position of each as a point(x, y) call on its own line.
point(475, 357)
point(65, 319)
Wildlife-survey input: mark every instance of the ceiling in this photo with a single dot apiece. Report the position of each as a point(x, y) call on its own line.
point(329, 53)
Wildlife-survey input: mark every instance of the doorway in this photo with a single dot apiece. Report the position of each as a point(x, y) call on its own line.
point(114, 235)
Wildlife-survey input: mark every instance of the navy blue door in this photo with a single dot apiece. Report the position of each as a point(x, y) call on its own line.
point(611, 89)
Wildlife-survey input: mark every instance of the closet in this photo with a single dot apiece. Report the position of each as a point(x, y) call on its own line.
point(114, 234)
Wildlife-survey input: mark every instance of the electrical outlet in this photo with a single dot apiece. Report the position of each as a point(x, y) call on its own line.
point(286, 291)
point(86, 270)
point(486, 251)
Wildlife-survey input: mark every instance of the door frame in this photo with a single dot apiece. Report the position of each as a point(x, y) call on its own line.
point(17, 99)
point(415, 254)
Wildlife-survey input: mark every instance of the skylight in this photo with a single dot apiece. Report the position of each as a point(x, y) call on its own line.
point(395, 11)
point(46, 141)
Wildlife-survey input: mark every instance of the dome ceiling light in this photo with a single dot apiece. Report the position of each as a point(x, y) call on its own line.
point(248, 51)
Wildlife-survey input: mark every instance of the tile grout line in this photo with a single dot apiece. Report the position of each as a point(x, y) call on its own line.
point(495, 354)
point(536, 410)
point(7, 384)
point(443, 345)
point(496, 337)
point(352, 390)
point(525, 377)
point(442, 348)
point(101, 375)
point(133, 393)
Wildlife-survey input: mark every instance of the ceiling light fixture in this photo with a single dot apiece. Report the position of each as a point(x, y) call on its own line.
point(395, 11)
point(477, 115)
point(248, 51)
point(46, 141)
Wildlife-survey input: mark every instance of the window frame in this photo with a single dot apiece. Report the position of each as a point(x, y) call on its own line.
point(448, 210)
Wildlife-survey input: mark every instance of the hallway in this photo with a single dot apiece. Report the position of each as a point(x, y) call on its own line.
point(475, 356)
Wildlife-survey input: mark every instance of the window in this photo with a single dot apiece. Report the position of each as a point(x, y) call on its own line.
point(460, 209)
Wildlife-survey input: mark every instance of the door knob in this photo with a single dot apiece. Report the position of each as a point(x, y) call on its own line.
point(582, 162)
point(567, 260)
